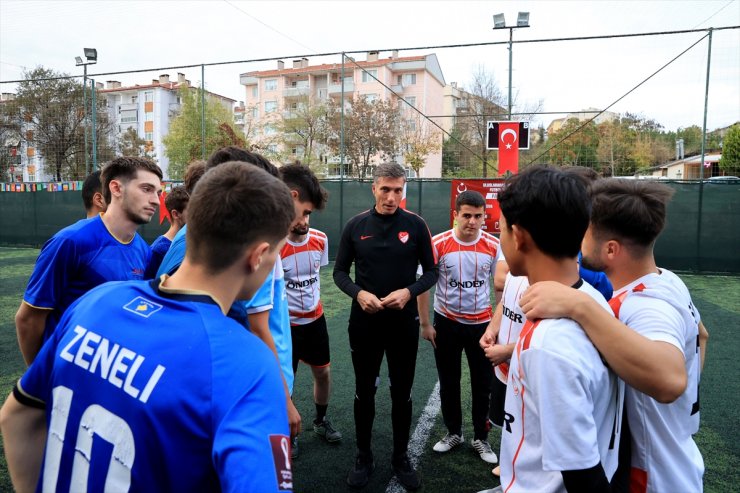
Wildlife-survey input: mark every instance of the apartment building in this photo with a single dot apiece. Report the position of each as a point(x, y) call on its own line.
point(149, 109)
point(582, 115)
point(270, 93)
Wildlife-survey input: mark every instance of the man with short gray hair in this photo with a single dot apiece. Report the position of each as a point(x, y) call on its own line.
point(386, 244)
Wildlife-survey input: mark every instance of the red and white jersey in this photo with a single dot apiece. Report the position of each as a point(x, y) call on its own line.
point(512, 318)
point(664, 455)
point(301, 264)
point(563, 407)
point(466, 271)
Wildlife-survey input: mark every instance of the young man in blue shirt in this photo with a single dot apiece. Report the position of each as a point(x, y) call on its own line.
point(150, 382)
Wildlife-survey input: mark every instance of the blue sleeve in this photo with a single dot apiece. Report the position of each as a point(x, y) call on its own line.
point(263, 298)
point(54, 267)
point(596, 279)
point(159, 249)
point(251, 447)
point(175, 255)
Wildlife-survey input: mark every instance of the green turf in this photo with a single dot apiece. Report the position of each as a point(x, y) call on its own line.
point(322, 467)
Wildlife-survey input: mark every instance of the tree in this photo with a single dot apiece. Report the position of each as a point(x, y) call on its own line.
point(579, 148)
point(130, 144)
point(183, 143)
point(48, 115)
point(305, 126)
point(730, 160)
point(418, 139)
point(457, 161)
point(370, 130)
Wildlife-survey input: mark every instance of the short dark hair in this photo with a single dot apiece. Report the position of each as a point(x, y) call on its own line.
point(632, 211)
point(251, 206)
point(90, 187)
point(389, 170)
point(233, 153)
point(177, 199)
point(301, 179)
point(124, 168)
point(551, 205)
point(471, 198)
point(193, 173)
point(588, 176)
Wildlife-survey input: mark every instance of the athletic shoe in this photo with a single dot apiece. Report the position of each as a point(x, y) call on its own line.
point(326, 430)
point(294, 447)
point(484, 450)
point(359, 475)
point(448, 442)
point(406, 474)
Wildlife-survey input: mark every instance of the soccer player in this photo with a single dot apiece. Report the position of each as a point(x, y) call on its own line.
point(91, 251)
point(147, 385)
point(660, 357)
point(175, 202)
point(563, 405)
point(466, 259)
point(305, 252)
point(92, 195)
point(386, 244)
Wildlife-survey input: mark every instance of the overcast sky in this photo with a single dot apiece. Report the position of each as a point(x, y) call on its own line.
point(566, 75)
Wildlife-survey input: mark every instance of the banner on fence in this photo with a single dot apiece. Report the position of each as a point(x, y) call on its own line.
point(489, 188)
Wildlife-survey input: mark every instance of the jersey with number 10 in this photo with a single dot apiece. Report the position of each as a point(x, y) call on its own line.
point(465, 276)
point(148, 389)
point(664, 455)
point(301, 264)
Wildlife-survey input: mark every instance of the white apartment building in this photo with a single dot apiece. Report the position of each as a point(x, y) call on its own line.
point(418, 79)
point(149, 109)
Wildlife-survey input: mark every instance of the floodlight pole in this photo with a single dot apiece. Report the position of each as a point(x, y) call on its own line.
point(511, 49)
point(84, 117)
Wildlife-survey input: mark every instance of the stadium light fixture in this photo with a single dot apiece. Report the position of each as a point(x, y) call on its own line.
point(499, 22)
point(91, 54)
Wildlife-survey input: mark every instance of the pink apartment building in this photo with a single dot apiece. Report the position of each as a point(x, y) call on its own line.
point(418, 79)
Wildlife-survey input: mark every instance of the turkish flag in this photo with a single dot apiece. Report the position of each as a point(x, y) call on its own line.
point(163, 212)
point(508, 147)
point(402, 205)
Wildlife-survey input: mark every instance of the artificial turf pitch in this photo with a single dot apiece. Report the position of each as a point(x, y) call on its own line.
point(323, 467)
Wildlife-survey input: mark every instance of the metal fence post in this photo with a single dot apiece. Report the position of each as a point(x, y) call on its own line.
point(341, 153)
point(203, 111)
point(94, 109)
point(701, 162)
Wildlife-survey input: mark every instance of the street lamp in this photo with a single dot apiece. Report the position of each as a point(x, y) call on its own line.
point(91, 54)
point(499, 22)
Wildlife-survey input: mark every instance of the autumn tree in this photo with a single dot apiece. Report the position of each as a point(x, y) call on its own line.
point(575, 144)
point(729, 163)
point(184, 141)
point(48, 115)
point(304, 125)
point(370, 131)
point(418, 139)
point(130, 144)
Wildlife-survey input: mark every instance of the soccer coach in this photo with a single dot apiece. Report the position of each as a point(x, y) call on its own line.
point(387, 244)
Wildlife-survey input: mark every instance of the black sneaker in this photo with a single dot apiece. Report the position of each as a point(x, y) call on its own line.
point(406, 474)
point(359, 475)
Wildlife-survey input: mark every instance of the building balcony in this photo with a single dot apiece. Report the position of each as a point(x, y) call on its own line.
point(336, 89)
point(296, 92)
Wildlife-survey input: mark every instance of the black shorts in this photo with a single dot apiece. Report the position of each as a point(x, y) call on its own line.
point(311, 343)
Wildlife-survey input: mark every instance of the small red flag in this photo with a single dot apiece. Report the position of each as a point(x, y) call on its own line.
point(403, 197)
point(163, 212)
point(508, 147)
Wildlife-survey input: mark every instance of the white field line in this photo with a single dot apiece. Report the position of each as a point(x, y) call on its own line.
point(419, 438)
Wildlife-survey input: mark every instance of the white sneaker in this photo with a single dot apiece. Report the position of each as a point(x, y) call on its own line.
point(484, 450)
point(497, 489)
point(448, 442)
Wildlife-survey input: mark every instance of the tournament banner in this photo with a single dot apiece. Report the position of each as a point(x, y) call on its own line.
point(489, 188)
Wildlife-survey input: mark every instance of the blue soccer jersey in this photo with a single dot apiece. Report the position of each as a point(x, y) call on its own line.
point(77, 259)
point(148, 389)
point(160, 246)
point(175, 254)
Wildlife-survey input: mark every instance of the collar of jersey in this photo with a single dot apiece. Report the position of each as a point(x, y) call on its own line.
point(182, 294)
point(386, 216)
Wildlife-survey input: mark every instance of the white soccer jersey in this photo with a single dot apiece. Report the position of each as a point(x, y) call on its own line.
point(563, 407)
point(301, 264)
point(466, 271)
point(512, 318)
point(664, 455)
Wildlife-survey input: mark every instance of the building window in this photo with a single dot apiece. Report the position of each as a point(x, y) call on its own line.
point(134, 99)
point(370, 97)
point(270, 106)
point(367, 75)
point(254, 91)
point(407, 79)
point(270, 130)
point(271, 85)
point(149, 136)
point(148, 96)
point(149, 116)
point(129, 116)
point(272, 148)
point(255, 112)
